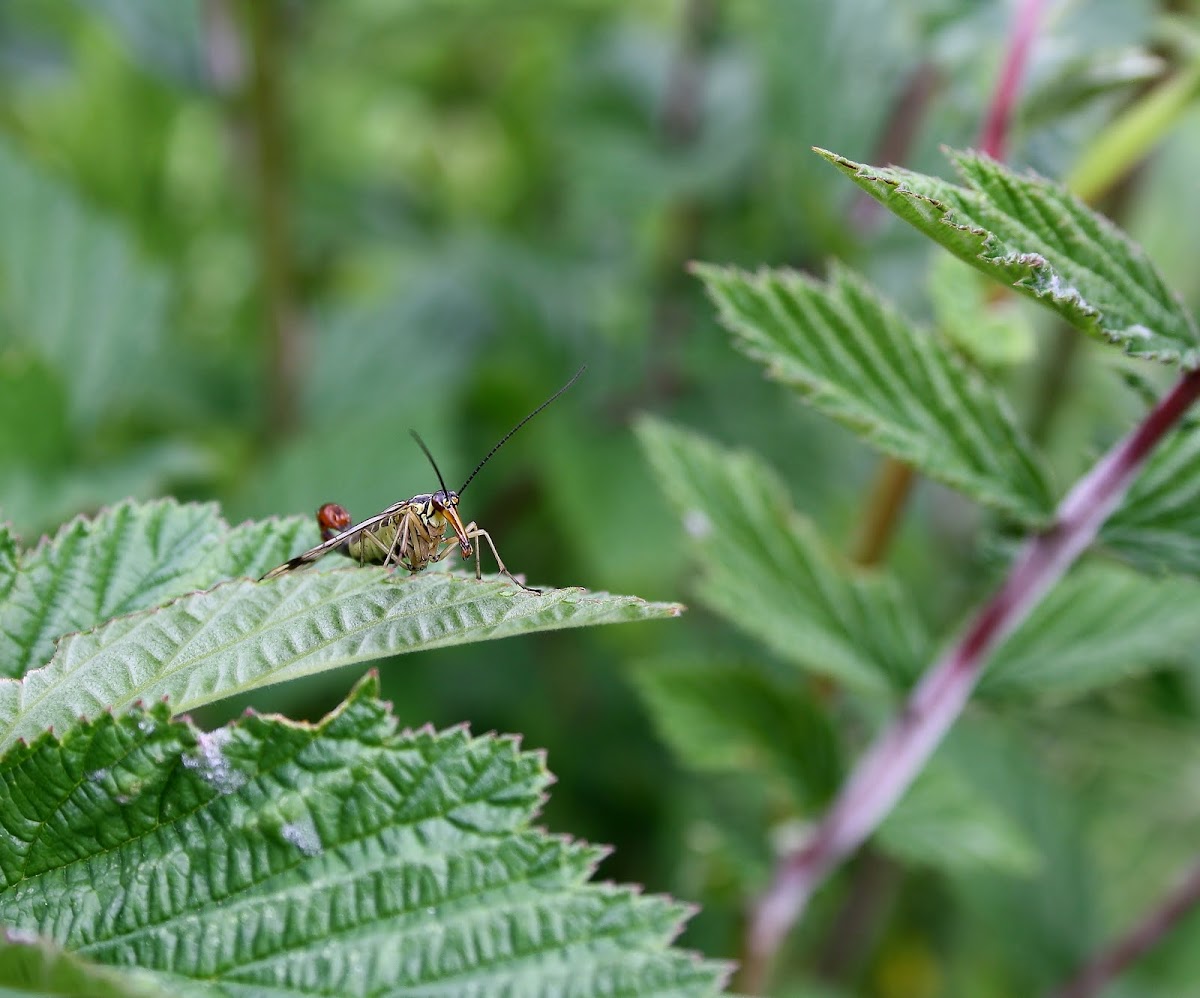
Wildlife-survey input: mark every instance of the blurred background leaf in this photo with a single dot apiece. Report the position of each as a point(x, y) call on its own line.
point(479, 197)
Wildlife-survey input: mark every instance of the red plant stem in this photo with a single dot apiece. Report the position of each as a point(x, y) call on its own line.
point(897, 756)
point(1138, 941)
point(993, 138)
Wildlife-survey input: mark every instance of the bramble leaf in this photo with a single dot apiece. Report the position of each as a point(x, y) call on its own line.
point(239, 635)
point(726, 718)
point(31, 967)
point(994, 333)
point(269, 857)
point(243, 635)
point(857, 360)
point(75, 288)
point(128, 558)
point(766, 569)
point(1038, 238)
point(1101, 624)
point(1157, 526)
point(945, 822)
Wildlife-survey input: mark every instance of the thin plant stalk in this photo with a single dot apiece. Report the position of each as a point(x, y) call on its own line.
point(272, 205)
point(894, 480)
point(993, 139)
point(1098, 973)
point(889, 767)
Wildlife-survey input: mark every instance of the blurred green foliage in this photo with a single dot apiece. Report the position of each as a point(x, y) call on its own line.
point(472, 199)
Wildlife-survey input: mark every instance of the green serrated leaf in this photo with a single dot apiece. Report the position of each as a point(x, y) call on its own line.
point(31, 967)
point(1083, 79)
point(768, 571)
point(75, 289)
point(243, 635)
point(128, 558)
point(742, 719)
point(1157, 526)
point(1034, 919)
point(945, 822)
point(347, 858)
point(1101, 624)
point(1134, 773)
point(1127, 138)
point(8, 562)
point(1036, 237)
point(994, 333)
point(860, 362)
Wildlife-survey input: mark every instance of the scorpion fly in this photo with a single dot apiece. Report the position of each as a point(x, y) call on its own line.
point(412, 533)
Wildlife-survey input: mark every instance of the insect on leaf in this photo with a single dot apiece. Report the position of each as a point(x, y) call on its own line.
point(239, 635)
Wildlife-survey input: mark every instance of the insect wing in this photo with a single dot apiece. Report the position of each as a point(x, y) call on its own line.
point(322, 549)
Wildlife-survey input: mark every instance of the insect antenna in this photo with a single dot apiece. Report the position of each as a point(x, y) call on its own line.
point(504, 439)
point(425, 451)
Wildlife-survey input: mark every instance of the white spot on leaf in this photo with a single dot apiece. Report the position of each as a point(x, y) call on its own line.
point(303, 835)
point(697, 524)
point(211, 762)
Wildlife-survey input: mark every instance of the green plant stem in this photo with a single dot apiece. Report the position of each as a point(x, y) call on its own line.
point(272, 190)
point(1119, 147)
point(888, 768)
point(893, 482)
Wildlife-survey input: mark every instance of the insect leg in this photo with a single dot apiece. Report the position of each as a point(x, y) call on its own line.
point(474, 531)
point(370, 537)
point(445, 546)
point(396, 555)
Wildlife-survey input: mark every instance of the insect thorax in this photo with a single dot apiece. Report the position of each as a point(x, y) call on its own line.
point(410, 537)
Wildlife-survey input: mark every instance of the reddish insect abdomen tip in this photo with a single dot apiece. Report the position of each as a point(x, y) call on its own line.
point(332, 519)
